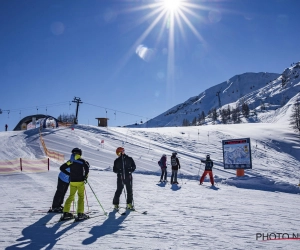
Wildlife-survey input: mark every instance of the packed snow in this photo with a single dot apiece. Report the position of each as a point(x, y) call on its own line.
point(251, 212)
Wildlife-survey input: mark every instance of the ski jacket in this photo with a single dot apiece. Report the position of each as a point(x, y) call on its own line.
point(175, 163)
point(163, 160)
point(79, 168)
point(64, 177)
point(124, 163)
point(208, 164)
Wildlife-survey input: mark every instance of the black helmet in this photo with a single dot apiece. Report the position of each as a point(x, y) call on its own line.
point(207, 156)
point(174, 153)
point(77, 151)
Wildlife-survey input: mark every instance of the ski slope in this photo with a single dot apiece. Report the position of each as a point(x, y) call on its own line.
point(232, 215)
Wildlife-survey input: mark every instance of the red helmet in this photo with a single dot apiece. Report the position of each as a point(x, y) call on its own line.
point(119, 151)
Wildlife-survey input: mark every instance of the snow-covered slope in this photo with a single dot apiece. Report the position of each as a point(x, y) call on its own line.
point(233, 215)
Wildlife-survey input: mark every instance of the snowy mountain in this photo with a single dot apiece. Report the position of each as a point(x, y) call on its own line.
point(265, 93)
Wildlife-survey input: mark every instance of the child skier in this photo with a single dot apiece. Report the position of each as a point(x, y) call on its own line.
point(163, 166)
point(208, 170)
point(175, 166)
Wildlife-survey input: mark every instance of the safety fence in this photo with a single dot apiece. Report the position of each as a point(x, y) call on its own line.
point(52, 154)
point(65, 124)
point(24, 165)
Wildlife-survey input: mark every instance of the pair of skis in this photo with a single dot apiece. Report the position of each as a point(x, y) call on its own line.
point(66, 222)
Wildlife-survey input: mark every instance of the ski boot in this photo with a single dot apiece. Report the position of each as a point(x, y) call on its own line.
point(66, 216)
point(82, 216)
point(116, 207)
point(58, 210)
point(130, 206)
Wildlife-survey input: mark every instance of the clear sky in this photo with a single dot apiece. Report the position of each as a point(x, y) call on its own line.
point(131, 60)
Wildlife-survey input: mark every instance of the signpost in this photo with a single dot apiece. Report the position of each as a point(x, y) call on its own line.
point(237, 155)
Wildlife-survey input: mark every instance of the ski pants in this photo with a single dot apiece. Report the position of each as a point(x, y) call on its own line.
point(163, 174)
point(211, 177)
point(74, 187)
point(60, 193)
point(174, 176)
point(120, 185)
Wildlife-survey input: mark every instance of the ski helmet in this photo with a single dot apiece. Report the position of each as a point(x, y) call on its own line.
point(77, 151)
point(119, 151)
point(208, 157)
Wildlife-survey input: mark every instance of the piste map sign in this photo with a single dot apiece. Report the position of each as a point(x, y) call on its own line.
point(237, 154)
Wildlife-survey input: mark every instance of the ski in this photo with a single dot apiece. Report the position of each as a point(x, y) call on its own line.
point(140, 212)
point(134, 210)
point(118, 211)
point(58, 221)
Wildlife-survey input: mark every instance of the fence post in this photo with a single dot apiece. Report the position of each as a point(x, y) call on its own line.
point(48, 164)
point(21, 164)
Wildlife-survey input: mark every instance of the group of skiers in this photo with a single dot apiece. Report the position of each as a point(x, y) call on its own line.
point(74, 173)
point(175, 164)
point(175, 167)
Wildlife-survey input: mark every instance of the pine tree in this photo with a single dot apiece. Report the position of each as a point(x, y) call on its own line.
point(295, 117)
point(245, 109)
point(214, 114)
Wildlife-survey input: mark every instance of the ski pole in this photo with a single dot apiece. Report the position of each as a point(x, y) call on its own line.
point(87, 203)
point(124, 189)
point(123, 178)
point(199, 170)
point(105, 213)
point(181, 177)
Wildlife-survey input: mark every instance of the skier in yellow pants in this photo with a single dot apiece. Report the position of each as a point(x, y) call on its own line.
point(79, 170)
point(74, 187)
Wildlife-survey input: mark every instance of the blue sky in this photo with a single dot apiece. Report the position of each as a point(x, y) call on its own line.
point(111, 55)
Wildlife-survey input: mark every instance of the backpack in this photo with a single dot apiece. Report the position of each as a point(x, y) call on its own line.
point(173, 161)
point(160, 163)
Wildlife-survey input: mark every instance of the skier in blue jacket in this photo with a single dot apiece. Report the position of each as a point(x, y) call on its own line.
point(61, 190)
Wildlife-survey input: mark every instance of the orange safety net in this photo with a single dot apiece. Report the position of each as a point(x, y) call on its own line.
point(53, 154)
point(10, 166)
point(35, 165)
point(25, 165)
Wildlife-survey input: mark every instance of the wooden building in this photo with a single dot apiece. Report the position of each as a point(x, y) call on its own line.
point(102, 122)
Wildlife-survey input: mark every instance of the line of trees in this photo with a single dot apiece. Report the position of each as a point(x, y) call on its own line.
point(226, 115)
point(295, 117)
point(68, 118)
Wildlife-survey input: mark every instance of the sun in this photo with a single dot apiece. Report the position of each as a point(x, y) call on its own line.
point(172, 5)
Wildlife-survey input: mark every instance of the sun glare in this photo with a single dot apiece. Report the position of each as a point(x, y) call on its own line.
point(171, 5)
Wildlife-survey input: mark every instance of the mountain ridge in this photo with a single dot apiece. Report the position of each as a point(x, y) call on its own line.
point(263, 92)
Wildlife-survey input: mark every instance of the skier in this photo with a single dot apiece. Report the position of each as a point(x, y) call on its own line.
point(124, 166)
point(79, 170)
point(208, 170)
point(62, 187)
point(6, 126)
point(163, 165)
point(175, 166)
